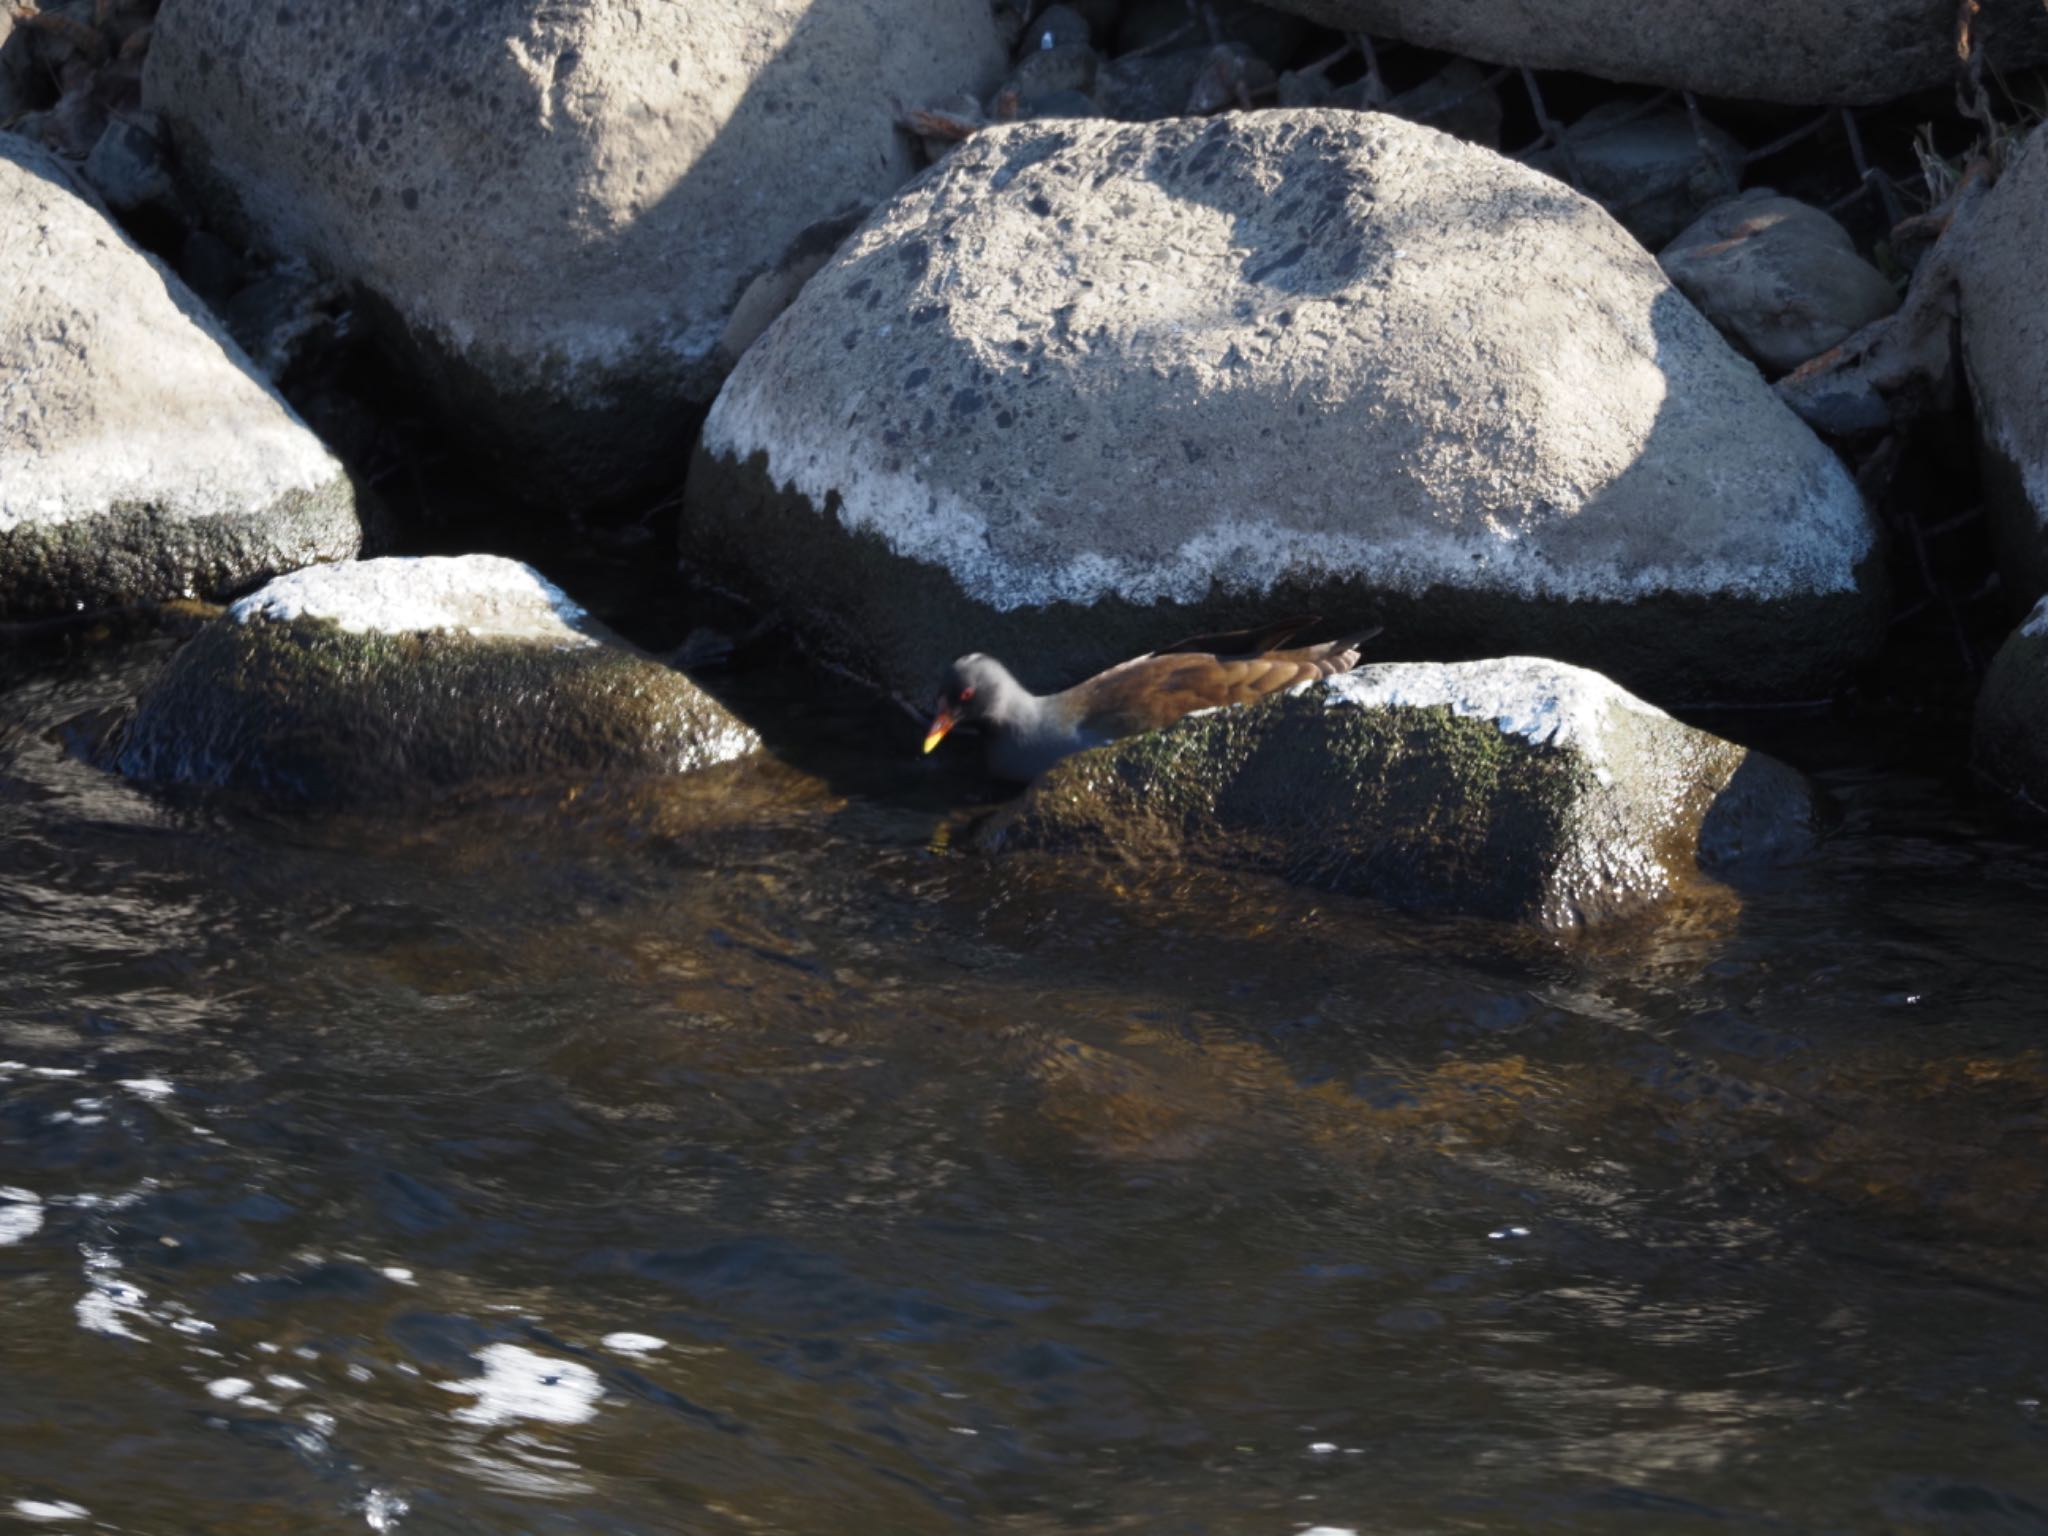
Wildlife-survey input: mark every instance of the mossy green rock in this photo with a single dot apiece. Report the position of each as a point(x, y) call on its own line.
point(394, 680)
point(1520, 788)
point(2010, 744)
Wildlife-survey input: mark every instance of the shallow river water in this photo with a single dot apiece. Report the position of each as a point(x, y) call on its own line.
point(741, 1157)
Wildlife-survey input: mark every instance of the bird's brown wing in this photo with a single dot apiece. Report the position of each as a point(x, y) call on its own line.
point(1243, 642)
point(1157, 690)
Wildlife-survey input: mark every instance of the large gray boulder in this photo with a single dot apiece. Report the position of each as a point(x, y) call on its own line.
point(1846, 51)
point(1778, 277)
point(2002, 275)
point(2010, 737)
point(1087, 386)
point(142, 456)
point(395, 680)
point(1517, 788)
point(573, 218)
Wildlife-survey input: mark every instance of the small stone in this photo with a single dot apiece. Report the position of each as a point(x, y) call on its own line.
point(1043, 71)
point(127, 169)
point(1778, 277)
point(1457, 100)
point(1651, 170)
point(1057, 26)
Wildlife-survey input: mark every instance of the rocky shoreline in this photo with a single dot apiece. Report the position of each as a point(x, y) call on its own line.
point(1684, 362)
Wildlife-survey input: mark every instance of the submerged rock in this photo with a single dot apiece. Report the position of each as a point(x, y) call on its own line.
point(391, 680)
point(1766, 50)
point(573, 218)
point(142, 455)
point(2005, 352)
point(2009, 744)
point(1778, 277)
point(1085, 387)
point(1518, 788)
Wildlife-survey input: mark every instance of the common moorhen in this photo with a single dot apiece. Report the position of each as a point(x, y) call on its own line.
point(1027, 733)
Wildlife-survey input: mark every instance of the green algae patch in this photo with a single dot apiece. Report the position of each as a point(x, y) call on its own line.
point(1604, 807)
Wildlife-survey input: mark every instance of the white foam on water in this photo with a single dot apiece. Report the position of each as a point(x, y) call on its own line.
point(50, 1509)
point(109, 1301)
point(634, 1343)
point(230, 1387)
point(21, 1214)
point(519, 1384)
point(147, 1087)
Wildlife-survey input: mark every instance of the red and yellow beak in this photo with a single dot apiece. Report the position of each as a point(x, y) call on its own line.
point(942, 722)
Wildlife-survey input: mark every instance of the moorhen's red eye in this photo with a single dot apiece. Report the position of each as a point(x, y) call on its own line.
point(966, 694)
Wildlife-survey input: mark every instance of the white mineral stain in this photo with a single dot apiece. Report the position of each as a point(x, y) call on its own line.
point(484, 596)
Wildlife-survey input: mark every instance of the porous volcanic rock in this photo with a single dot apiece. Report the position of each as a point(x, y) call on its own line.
point(2010, 740)
point(2003, 278)
point(571, 218)
point(142, 455)
point(1778, 277)
point(1846, 51)
point(1516, 788)
point(1087, 386)
point(392, 680)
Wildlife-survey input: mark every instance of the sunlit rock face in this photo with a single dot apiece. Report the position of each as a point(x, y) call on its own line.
point(393, 681)
point(572, 218)
point(1518, 788)
point(1088, 386)
point(142, 456)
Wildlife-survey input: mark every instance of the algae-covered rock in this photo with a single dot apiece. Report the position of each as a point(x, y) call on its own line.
point(394, 679)
point(1519, 788)
point(142, 455)
point(2010, 737)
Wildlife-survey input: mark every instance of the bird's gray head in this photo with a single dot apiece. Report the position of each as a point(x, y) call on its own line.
point(974, 688)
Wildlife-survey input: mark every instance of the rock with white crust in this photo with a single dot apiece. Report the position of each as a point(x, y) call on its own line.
point(400, 679)
point(142, 455)
point(1087, 386)
point(1518, 788)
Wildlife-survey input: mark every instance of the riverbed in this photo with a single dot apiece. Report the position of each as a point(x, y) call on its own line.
point(740, 1155)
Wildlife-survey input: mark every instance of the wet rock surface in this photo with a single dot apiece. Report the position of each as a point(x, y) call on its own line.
point(2005, 353)
point(2009, 743)
point(391, 680)
point(1779, 278)
point(1087, 385)
point(1818, 51)
point(142, 455)
point(1517, 788)
point(570, 222)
